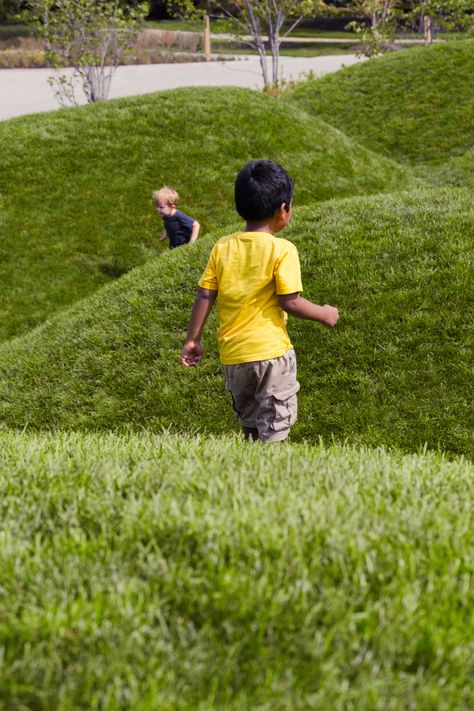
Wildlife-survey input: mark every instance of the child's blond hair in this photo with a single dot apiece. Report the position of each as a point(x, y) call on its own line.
point(166, 196)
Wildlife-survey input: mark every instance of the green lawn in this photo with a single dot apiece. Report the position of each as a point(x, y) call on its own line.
point(287, 49)
point(76, 184)
point(458, 171)
point(156, 572)
point(397, 370)
point(416, 107)
point(150, 559)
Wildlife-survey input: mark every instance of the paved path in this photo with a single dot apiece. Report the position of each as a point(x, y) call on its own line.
point(26, 91)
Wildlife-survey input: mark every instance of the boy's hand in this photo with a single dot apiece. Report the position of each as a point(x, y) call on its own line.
point(192, 353)
point(331, 315)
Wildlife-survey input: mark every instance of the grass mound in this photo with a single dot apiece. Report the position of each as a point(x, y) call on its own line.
point(416, 107)
point(397, 370)
point(75, 185)
point(176, 573)
point(457, 172)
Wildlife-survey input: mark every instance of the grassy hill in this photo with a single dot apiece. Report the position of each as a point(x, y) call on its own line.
point(457, 172)
point(416, 107)
point(397, 370)
point(185, 573)
point(152, 560)
point(75, 185)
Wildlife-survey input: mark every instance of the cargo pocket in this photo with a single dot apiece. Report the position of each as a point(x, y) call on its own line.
point(280, 410)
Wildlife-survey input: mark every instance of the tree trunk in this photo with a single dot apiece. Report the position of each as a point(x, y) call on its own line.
point(427, 33)
point(207, 38)
point(275, 50)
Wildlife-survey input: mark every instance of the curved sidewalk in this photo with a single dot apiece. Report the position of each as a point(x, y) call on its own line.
point(26, 91)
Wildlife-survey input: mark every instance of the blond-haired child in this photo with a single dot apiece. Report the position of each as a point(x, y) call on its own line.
point(179, 228)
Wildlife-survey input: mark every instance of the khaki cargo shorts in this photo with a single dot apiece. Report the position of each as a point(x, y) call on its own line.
point(264, 395)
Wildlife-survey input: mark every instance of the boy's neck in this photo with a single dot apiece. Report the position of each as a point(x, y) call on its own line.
point(259, 227)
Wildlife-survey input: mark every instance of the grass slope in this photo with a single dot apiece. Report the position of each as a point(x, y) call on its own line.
point(416, 107)
point(397, 370)
point(175, 573)
point(458, 172)
point(75, 185)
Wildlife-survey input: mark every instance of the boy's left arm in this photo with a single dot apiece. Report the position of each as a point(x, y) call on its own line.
point(193, 350)
point(195, 232)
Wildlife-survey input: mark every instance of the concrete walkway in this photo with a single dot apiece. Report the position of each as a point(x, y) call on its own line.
point(26, 91)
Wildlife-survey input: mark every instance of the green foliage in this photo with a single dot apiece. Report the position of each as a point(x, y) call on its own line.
point(143, 572)
point(378, 25)
point(75, 185)
point(417, 106)
point(9, 10)
point(454, 15)
point(256, 19)
point(397, 370)
point(93, 36)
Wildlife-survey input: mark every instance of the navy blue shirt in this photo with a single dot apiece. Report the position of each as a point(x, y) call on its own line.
point(178, 228)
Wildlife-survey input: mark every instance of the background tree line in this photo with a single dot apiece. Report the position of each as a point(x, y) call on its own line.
point(94, 36)
point(449, 14)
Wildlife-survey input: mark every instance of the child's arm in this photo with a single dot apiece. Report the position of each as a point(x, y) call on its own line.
point(195, 231)
point(193, 350)
point(296, 305)
point(164, 236)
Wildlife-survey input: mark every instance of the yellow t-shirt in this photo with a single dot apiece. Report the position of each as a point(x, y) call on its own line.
point(249, 270)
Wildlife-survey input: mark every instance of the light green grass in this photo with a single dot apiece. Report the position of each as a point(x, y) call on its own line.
point(417, 106)
point(75, 185)
point(173, 573)
point(397, 370)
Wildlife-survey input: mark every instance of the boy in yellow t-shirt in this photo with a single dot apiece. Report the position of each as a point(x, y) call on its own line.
point(256, 280)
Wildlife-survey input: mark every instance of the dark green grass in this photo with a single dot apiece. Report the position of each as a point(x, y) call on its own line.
point(397, 369)
point(457, 171)
point(75, 185)
point(417, 107)
point(219, 26)
point(288, 49)
point(172, 573)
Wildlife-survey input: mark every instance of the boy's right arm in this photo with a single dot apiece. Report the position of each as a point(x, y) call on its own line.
point(296, 305)
point(164, 236)
point(193, 351)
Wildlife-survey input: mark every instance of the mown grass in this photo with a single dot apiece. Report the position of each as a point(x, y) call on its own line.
point(417, 106)
point(397, 370)
point(458, 172)
point(169, 573)
point(287, 49)
point(75, 185)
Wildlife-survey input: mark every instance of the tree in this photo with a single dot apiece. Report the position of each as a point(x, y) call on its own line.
point(257, 18)
point(9, 10)
point(380, 23)
point(92, 36)
point(451, 15)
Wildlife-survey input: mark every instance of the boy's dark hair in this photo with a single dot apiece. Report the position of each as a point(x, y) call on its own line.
point(261, 187)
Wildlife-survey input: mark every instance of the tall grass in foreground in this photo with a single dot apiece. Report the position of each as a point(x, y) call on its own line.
point(143, 572)
point(397, 370)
